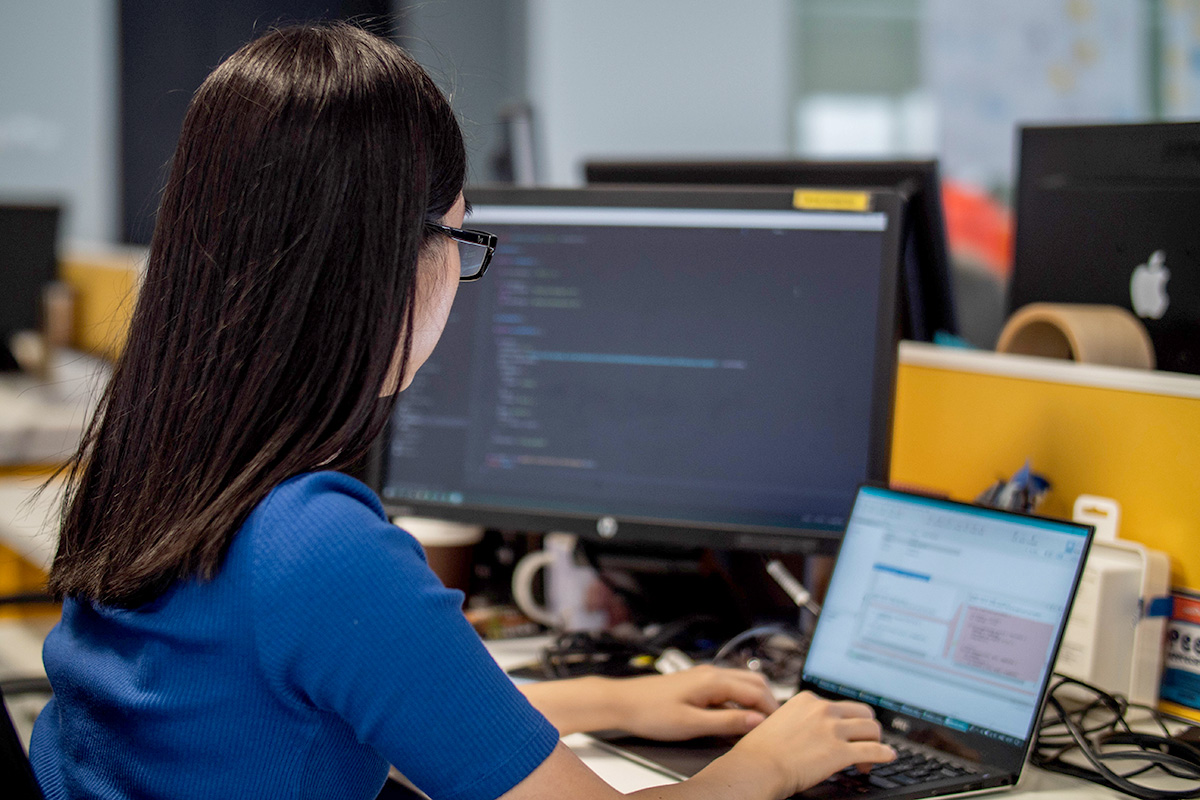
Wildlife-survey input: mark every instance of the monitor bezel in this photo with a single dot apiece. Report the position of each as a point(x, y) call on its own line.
point(677, 533)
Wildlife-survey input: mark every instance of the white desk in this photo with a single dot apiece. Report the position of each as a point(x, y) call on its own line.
point(27, 528)
point(42, 419)
point(41, 422)
point(628, 776)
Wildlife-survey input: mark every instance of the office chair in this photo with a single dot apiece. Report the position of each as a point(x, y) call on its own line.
point(15, 770)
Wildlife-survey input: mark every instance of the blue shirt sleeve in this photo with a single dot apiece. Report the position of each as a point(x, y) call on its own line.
point(350, 620)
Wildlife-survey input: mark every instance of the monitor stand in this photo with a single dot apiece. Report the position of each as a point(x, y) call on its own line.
point(708, 596)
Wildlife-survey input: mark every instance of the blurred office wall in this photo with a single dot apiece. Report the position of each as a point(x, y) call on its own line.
point(814, 78)
point(166, 51)
point(623, 78)
point(994, 66)
point(476, 51)
point(58, 110)
point(682, 77)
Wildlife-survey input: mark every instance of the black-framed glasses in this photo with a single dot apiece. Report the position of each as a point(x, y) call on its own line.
point(475, 249)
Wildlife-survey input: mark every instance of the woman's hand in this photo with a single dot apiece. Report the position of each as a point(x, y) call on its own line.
point(702, 701)
point(803, 743)
point(800, 744)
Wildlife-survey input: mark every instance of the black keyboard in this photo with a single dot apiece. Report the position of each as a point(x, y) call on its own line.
point(909, 768)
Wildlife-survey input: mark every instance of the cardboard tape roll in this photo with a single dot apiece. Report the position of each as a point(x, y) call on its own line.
point(1093, 334)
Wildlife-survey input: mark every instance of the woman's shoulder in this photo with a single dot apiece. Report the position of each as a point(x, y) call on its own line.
point(319, 521)
point(319, 493)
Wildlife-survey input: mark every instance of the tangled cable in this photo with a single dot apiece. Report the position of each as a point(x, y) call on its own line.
point(1097, 734)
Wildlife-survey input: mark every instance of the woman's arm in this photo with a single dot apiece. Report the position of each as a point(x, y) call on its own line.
point(804, 742)
point(704, 701)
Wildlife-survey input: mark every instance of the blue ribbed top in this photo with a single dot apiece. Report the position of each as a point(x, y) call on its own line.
point(323, 650)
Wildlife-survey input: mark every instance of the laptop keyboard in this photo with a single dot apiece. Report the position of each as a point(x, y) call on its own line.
point(909, 768)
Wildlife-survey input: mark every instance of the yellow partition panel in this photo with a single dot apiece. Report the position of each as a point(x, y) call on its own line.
point(18, 576)
point(964, 419)
point(105, 287)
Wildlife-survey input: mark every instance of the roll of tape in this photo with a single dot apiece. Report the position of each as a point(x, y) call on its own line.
point(1092, 334)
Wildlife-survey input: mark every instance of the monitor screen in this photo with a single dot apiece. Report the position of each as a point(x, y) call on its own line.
point(926, 290)
point(702, 368)
point(28, 261)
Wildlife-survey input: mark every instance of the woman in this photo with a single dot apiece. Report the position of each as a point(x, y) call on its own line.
point(240, 619)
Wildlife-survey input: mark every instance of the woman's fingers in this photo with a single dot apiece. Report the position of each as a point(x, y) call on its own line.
point(867, 754)
point(722, 721)
point(749, 690)
point(850, 709)
point(810, 738)
point(859, 729)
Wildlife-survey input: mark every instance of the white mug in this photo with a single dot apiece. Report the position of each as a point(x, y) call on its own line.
point(566, 585)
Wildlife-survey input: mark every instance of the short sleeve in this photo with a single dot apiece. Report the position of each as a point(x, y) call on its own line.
point(350, 620)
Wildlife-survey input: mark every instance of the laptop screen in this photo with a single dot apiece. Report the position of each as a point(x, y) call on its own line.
point(947, 613)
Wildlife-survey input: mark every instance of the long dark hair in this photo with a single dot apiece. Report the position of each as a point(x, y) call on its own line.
point(280, 283)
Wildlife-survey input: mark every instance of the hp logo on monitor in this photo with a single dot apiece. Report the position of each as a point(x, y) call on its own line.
point(606, 527)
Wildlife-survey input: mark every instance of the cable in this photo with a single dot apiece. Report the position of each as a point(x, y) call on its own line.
point(777, 651)
point(624, 652)
point(794, 588)
point(582, 653)
point(1099, 733)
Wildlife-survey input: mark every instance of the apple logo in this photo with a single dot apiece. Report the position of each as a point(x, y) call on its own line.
point(1148, 287)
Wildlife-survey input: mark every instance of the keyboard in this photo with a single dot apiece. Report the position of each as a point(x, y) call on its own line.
point(910, 768)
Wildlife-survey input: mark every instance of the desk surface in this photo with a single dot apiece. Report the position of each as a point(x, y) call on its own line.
point(27, 518)
point(43, 418)
point(628, 776)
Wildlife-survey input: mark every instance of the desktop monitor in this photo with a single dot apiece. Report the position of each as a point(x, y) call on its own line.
point(1107, 214)
point(926, 291)
point(28, 261)
point(700, 369)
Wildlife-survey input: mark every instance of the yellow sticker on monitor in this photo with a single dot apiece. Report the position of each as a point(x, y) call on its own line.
point(825, 200)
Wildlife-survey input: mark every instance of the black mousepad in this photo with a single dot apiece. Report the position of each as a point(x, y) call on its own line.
point(678, 760)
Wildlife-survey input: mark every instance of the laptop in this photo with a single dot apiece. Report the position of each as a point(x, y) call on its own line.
point(946, 619)
point(1107, 214)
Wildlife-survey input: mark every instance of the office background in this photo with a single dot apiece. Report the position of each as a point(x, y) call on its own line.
point(767, 78)
point(92, 91)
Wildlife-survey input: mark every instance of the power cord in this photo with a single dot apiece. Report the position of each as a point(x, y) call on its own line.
point(571, 655)
point(626, 650)
point(1095, 731)
point(775, 651)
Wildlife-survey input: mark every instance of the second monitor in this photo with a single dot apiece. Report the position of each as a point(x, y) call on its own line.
point(693, 368)
point(926, 290)
point(28, 262)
